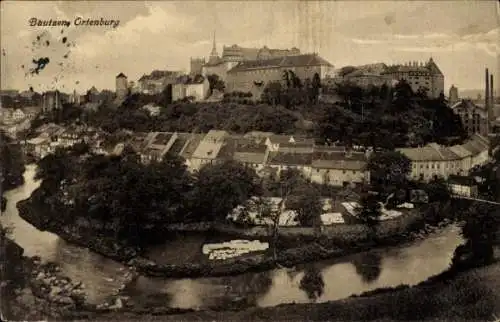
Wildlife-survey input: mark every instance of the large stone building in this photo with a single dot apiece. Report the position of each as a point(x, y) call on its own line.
point(232, 55)
point(157, 81)
point(253, 75)
point(195, 88)
point(434, 160)
point(121, 86)
point(419, 75)
point(474, 117)
point(365, 79)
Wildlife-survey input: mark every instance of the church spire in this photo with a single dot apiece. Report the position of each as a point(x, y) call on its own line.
point(214, 54)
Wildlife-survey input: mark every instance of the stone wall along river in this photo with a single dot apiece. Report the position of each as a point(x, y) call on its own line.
point(101, 276)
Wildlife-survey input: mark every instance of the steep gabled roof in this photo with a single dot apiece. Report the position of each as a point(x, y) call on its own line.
point(121, 75)
point(433, 68)
point(283, 158)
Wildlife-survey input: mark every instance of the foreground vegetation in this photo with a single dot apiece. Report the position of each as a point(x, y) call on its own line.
point(11, 163)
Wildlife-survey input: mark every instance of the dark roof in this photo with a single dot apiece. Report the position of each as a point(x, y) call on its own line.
point(121, 75)
point(240, 146)
point(462, 180)
point(290, 158)
point(429, 67)
point(179, 143)
point(353, 156)
point(256, 53)
point(158, 74)
point(198, 79)
point(287, 61)
point(162, 138)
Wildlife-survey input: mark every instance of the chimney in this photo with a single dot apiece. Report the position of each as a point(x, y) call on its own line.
point(487, 90)
point(492, 94)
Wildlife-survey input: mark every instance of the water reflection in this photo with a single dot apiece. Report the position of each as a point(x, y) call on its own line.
point(319, 282)
point(368, 266)
point(312, 282)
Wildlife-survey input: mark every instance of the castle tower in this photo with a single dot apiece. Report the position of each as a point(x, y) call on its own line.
point(196, 66)
point(121, 86)
point(453, 97)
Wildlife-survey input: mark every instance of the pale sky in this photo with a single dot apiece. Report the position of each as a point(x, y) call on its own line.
point(461, 36)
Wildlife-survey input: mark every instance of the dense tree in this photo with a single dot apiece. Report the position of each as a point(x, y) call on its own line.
point(480, 230)
point(394, 118)
point(388, 170)
point(370, 212)
point(307, 203)
point(133, 201)
point(222, 187)
point(438, 190)
point(11, 163)
point(216, 83)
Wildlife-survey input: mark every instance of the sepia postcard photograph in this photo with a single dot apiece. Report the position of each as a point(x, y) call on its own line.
point(250, 160)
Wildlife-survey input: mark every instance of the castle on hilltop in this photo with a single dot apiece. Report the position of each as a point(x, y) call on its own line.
point(417, 74)
point(252, 69)
point(232, 55)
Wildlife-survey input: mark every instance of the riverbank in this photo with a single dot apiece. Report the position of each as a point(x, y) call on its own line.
point(32, 290)
point(467, 295)
point(296, 246)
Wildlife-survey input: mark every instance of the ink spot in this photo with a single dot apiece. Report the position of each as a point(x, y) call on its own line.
point(22, 66)
point(37, 38)
point(47, 43)
point(40, 64)
point(77, 82)
point(64, 40)
point(31, 88)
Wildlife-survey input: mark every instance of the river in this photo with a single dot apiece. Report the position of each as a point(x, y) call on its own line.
point(328, 280)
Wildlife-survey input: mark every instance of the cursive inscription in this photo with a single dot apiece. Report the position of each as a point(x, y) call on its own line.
point(78, 22)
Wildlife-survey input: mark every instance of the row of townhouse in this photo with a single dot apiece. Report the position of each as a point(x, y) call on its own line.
point(51, 136)
point(436, 160)
point(269, 154)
